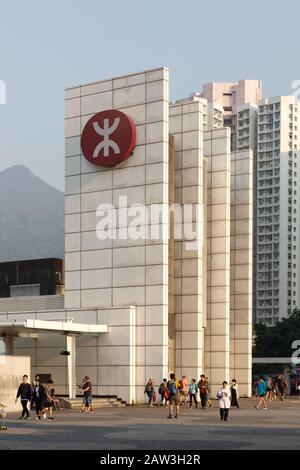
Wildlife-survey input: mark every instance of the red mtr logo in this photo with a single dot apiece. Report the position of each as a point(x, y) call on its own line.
point(108, 138)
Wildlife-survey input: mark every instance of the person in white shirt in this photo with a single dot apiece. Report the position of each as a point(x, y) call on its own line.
point(224, 396)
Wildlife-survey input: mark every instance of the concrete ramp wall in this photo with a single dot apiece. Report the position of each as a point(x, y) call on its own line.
point(12, 369)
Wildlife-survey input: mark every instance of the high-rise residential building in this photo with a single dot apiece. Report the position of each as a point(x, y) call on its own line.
point(277, 196)
point(239, 101)
point(246, 127)
point(270, 128)
point(231, 96)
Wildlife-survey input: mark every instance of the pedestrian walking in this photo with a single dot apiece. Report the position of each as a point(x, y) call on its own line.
point(24, 393)
point(87, 389)
point(193, 393)
point(50, 400)
point(224, 396)
point(275, 389)
point(204, 391)
point(173, 391)
point(149, 390)
point(282, 387)
point(183, 390)
point(269, 388)
point(261, 391)
point(272, 393)
point(208, 397)
point(36, 378)
point(234, 393)
point(163, 391)
point(38, 398)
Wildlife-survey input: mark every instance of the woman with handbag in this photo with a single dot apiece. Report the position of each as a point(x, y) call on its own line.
point(224, 396)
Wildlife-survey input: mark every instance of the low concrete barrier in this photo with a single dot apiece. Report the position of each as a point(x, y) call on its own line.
point(12, 369)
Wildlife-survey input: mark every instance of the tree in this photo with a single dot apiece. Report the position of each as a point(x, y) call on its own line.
point(276, 341)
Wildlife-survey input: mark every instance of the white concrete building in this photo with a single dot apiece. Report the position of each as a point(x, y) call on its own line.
point(138, 305)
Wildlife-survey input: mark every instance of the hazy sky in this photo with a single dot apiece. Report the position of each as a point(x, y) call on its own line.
point(46, 46)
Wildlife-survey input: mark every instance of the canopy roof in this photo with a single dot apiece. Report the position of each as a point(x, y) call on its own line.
point(33, 327)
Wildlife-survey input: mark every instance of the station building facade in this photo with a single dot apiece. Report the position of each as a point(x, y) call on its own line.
point(170, 289)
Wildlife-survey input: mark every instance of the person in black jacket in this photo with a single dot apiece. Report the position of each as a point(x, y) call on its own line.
point(24, 392)
point(38, 397)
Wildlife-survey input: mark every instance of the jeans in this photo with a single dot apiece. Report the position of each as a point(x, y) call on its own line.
point(193, 396)
point(203, 398)
point(150, 396)
point(163, 399)
point(24, 406)
point(87, 400)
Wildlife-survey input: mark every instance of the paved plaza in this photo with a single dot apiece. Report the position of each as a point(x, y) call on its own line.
point(143, 428)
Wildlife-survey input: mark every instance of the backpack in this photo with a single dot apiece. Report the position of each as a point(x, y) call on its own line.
point(172, 387)
point(161, 389)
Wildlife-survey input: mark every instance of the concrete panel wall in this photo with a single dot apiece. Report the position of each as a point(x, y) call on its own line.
point(186, 124)
point(217, 153)
point(115, 273)
point(241, 259)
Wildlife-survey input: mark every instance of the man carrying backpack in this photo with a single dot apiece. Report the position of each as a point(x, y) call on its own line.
point(173, 392)
point(163, 391)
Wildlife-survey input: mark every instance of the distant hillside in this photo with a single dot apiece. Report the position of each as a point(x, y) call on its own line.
point(31, 216)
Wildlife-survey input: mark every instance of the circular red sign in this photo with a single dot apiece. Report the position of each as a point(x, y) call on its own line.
point(108, 138)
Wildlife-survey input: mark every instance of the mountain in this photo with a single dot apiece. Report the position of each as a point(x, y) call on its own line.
point(31, 217)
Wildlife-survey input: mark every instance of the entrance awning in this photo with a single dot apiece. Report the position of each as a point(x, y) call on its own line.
point(32, 327)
